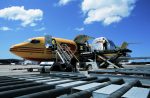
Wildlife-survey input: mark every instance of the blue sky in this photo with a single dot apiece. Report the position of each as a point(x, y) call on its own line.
point(118, 20)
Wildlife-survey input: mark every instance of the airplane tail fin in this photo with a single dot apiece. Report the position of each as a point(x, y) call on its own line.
point(124, 45)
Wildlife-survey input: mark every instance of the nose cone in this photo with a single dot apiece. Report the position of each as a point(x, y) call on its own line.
point(14, 49)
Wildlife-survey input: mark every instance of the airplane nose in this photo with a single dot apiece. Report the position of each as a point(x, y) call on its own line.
point(13, 49)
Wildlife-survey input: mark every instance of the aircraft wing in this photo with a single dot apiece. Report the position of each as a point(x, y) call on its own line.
point(134, 58)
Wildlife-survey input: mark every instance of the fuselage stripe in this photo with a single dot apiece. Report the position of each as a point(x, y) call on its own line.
point(31, 50)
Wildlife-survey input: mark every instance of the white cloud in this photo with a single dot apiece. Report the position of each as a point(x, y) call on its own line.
point(27, 17)
point(5, 28)
point(64, 2)
point(40, 29)
point(18, 28)
point(79, 29)
point(106, 11)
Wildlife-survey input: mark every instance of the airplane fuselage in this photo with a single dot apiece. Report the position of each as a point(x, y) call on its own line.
point(35, 49)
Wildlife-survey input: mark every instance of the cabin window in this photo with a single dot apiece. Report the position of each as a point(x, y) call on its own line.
point(35, 41)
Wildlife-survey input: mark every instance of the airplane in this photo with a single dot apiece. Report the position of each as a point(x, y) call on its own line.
point(36, 49)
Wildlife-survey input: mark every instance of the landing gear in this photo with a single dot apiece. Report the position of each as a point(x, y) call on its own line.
point(61, 67)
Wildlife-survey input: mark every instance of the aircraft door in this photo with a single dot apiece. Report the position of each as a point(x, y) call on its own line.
point(48, 41)
point(54, 44)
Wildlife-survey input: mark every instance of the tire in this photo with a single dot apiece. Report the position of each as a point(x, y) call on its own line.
point(30, 69)
point(42, 70)
point(90, 67)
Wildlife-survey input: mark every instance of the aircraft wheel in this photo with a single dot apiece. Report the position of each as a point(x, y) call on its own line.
point(90, 67)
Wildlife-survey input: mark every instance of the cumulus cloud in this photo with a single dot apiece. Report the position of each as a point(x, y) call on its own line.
point(5, 28)
point(79, 29)
point(19, 13)
point(106, 11)
point(64, 2)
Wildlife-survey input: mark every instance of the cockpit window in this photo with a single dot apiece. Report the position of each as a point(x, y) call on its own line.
point(35, 41)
